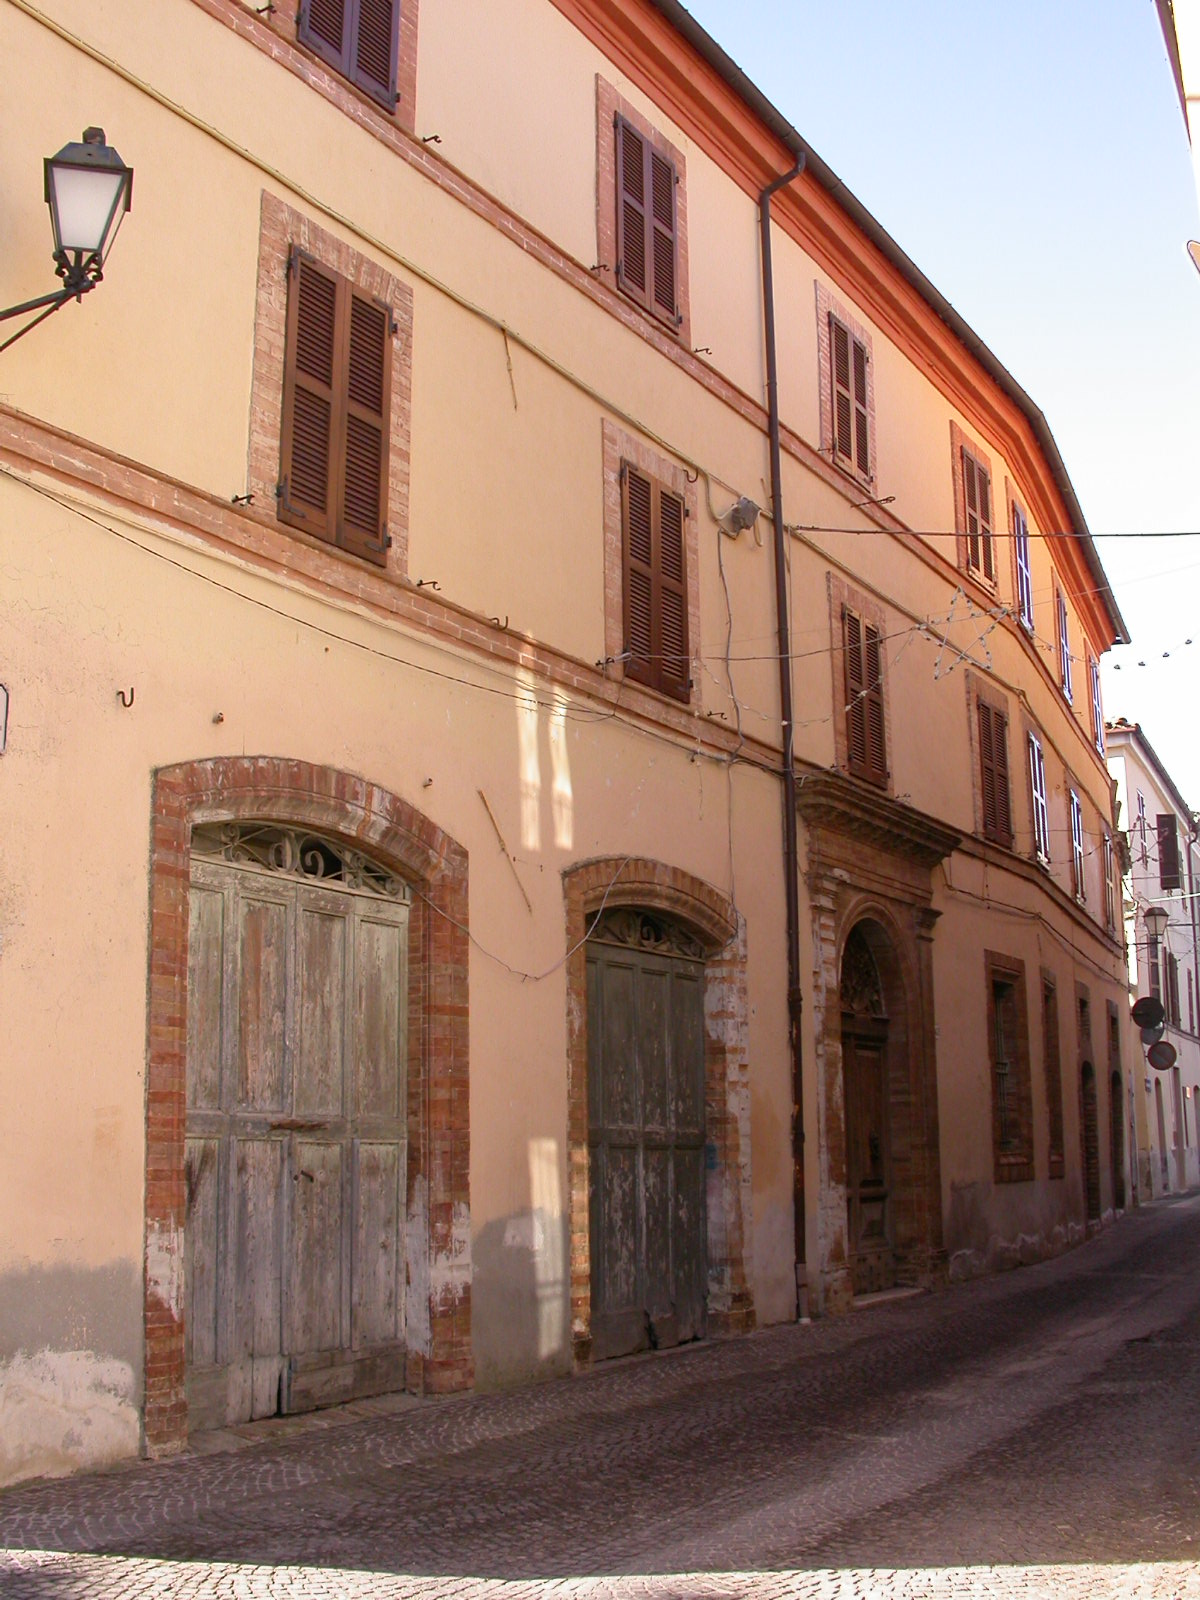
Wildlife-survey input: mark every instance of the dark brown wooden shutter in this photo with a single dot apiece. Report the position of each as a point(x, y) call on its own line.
point(848, 366)
point(336, 406)
point(637, 494)
point(368, 386)
point(873, 700)
point(674, 676)
point(993, 763)
point(647, 227)
point(1168, 852)
point(359, 38)
point(862, 444)
point(631, 210)
point(375, 48)
point(655, 579)
point(309, 470)
point(977, 490)
point(856, 713)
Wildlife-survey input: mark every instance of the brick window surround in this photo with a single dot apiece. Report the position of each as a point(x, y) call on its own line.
point(390, 830)
point(627, 881)
point(959, 442)
point(843, 595)
point(610, 104)
point(283, 21)
point(1012, 1157)
point(618, 446)
point(827, 306)
point(280, 228)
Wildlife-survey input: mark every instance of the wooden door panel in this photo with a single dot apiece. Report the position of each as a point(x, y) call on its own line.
point(652, 1025)
point(255, 1353)
point(687, 1049)
point(868, 1162)
point(646, 1142)
point(206, 963)
point(658, 1286)
point(321, 981)
point(202, 1252)
point(377, 1303)
point(379, 954)
point(689, 1245)
point(316, 1257)
point(262, 960)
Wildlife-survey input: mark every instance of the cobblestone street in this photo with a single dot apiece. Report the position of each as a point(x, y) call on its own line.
point(1036, 1433)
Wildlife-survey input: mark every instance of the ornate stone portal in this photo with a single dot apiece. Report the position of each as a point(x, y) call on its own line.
point(869, 878)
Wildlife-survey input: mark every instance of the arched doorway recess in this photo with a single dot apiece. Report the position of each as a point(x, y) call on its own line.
point(366, 829)
point(867, 1095)
point(656, 1006)
point(869, 876)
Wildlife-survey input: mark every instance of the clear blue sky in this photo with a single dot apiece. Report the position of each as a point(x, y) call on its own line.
point(1032, 159)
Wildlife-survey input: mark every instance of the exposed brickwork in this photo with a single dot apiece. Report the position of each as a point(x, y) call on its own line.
point(868, 608)
point(655, 886)
point(347, 807)
point(280, 228)
point(608, 105)
point(826, 304)
point(1012, 1157)
point(619, 446)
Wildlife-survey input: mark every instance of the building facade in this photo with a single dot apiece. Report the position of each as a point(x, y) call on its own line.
point(1163, 873)
point(447, 948)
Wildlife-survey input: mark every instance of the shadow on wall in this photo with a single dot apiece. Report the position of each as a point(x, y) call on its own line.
point(520, 1311)
point(991, 1227)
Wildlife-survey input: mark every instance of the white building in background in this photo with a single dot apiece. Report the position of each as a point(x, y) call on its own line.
point(1163, 871)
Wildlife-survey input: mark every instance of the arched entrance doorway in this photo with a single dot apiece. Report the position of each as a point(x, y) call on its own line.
point(870, 1211)
point(646, 1132)
point(297, 1123)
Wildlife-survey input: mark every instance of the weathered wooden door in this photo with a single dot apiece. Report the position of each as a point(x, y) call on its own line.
point(868, 1160)
point(867, 1104)
point(646, 1134)
point(296, 1125)
point(1091, 1141)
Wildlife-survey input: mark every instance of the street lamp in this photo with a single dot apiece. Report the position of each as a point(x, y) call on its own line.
point(1156, 919)
point(89, 190)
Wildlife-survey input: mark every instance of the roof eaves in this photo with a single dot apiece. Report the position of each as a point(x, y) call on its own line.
point(706, 46)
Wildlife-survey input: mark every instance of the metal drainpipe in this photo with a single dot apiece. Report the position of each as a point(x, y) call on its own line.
point(791, 855)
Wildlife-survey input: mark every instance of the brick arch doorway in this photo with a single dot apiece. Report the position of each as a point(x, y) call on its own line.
point(363, 819)
point(878, 1126)
point(692, 945)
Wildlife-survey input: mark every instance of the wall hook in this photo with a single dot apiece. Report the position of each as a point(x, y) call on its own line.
point(432, 138)
point(121, 697)
point(241, 499)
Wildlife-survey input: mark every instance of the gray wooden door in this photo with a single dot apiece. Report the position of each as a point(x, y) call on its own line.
point(868, 1159)
point(646, 1137)
point(296, 1128)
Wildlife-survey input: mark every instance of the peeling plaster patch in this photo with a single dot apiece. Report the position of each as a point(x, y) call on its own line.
point(164, 1267)
point(1004, 1254)
point(450, 1273)
point(64, 1410)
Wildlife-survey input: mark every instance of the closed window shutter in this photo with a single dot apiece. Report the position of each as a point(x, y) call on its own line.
point(360, 38)
point(862, 442)
point(368, 393)
point(647, 226)
point(655, 581)
point(673, 638)
point(638, 523)
point(375, 49)
point(876, 745)
point(856, 711)
point(977, 490)
point(848, 374)
point(993, 761)
point(662, 192)
point(631, 210)
point(310, 435)
point(1168, 852)
point(336, 406)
